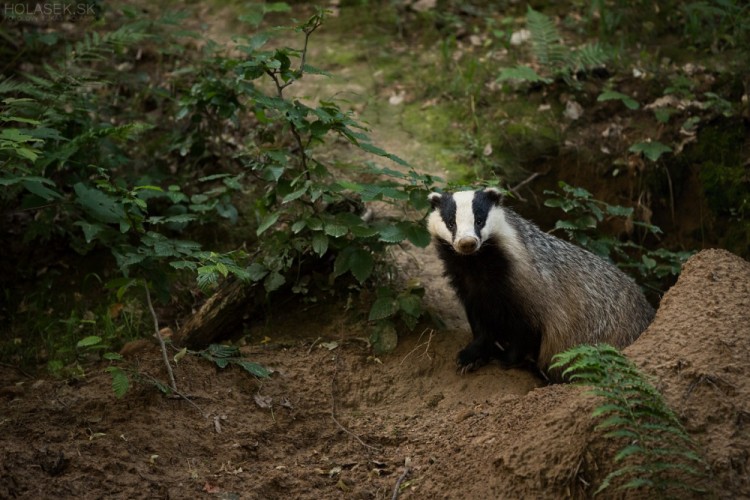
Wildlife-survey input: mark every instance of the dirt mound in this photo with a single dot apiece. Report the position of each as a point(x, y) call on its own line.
point(333, 421)
point(697, 348)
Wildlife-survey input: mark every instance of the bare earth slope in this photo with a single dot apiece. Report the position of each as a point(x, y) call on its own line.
point(489, 434)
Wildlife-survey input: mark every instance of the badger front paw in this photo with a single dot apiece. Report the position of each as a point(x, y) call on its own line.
point(470, 358)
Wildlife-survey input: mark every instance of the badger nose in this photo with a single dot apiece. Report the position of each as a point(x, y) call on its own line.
point(467, 244)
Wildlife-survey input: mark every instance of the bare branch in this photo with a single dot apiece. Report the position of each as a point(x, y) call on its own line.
point(163, 346)
point(407, 469)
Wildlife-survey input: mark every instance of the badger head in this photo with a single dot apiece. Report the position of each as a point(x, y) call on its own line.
point(465, 219)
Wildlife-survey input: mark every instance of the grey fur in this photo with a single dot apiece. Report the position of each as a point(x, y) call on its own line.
point(568, 294)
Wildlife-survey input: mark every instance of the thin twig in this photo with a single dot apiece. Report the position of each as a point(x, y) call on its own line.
point(312, 345)
point(175, 395)
point(521, 184)
point(426, 344)
point(407, 469)
point(18, 368)
point(280, 92)
point(163, 346)
point(671, 194)
point(333, 408)
point(308, 32)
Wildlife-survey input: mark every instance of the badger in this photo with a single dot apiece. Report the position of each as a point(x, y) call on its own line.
point(528, 295)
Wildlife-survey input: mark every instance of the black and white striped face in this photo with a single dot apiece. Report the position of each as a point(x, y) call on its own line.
point(465, 219)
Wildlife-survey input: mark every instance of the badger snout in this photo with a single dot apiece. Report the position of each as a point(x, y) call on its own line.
point(466, 244)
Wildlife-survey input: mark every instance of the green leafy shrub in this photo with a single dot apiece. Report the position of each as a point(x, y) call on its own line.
point(197, 164)
point(585, 214)
point(658, 456)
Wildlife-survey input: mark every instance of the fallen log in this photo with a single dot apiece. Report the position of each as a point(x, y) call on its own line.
point(221, 315)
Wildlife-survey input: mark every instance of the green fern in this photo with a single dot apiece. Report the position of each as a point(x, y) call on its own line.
point(658, 456)
point(95, 46)
point(120, 381)
point(554, 58)
point(546, 41)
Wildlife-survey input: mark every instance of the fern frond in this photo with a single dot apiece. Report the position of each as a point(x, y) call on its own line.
point(94, 46)
point(546, 41)
point(12, 86)
point(207, 278)
point(590, 56)
point(659, 454)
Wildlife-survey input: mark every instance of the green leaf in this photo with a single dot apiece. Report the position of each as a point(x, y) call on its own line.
point(648, 262)
point(42, 191)
point(343, 262)
point(418, 235)
point(662, 115)
point(585, 222)
point(314, 224)
point(221, 351)
point(120, 381)
point(336, 230)
point(173, 219)
point(522, 73)
point(619, 211)
point(411, 304)
point(312, 70)
point(566, 225)
point(392, 234)
point(362, 264)
point(651, 150)
point(99, 205)
point(89, 230)
point(366, 146)
point(89, 341)
point(274, 281)
point(254, 368)
point(295, 194)
point(363, 231)
point(382, 308)
point(267, 222)
point(609, 95)
point(180, 354)
point(257, 271)
point(256, 41)
point(320, 243)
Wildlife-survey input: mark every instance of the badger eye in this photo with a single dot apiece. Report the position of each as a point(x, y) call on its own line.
point(451, 225)
point(479, 221)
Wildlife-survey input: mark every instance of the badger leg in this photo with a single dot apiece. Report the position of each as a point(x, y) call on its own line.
point(483, 348)
point(478, 353)
point(498, 334)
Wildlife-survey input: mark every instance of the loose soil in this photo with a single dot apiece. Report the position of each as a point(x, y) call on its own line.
point(333, 421)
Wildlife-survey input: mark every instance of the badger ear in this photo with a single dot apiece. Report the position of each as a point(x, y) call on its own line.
point(494, 194)
point(435, 199)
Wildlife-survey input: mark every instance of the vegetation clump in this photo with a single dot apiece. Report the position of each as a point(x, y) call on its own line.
point(658, 455)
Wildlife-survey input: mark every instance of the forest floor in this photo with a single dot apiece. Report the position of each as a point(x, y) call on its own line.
point(333, 421)
point(336, 421)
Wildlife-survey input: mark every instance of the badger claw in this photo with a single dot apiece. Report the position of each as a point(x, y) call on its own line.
point(472, 357)
point(466, 363)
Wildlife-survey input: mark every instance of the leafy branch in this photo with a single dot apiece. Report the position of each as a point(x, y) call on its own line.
point(585, 214)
